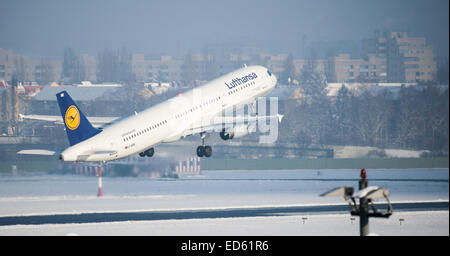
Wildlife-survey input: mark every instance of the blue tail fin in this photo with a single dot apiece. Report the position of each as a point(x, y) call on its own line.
point(77, 126)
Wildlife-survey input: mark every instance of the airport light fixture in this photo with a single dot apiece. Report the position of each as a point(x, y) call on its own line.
point(365, 195)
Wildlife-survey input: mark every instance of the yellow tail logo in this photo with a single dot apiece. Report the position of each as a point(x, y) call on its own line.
point(72, 118)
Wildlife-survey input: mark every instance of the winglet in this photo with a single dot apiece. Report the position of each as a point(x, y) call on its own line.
point(280, 117)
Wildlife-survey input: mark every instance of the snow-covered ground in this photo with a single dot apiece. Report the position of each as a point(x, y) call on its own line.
point(56, 194)
point(362, 152)
point(432, 223)
point(401, 153)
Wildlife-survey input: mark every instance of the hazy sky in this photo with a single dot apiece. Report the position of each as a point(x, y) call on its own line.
point(46, 27)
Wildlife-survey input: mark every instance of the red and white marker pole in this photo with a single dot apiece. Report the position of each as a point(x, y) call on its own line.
point(100, 190)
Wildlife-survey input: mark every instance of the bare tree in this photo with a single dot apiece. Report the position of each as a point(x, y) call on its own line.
point(211, 70)
point(189, 69)
point(22, 69)
point(47, 74)
point(288, 73)
point(108, 66)
point(69, 65)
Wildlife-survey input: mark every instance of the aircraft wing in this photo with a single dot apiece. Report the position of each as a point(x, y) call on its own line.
point(217, 124)
point(97, 122)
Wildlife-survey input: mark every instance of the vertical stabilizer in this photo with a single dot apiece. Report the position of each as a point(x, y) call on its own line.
point(78, 128)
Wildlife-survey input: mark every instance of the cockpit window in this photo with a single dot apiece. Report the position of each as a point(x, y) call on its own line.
point(268, 72)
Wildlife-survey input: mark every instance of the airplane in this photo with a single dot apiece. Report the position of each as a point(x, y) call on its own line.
point(197, 111)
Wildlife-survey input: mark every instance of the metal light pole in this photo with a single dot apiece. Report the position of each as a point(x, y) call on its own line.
point(100, 186)
point(363, 206)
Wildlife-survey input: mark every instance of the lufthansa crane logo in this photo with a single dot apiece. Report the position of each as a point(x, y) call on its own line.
point(72, 118)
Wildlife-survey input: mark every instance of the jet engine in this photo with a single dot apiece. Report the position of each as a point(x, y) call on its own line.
point(237, 132)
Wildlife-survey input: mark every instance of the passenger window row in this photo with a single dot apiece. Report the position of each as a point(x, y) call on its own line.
point(148, 129)
point(197, 107)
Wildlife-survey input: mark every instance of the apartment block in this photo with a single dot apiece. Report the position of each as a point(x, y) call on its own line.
point(41, 71)
point(372, 69)
point(165, 69)
point(418, 57)
point(7, 64)
point(408, 59)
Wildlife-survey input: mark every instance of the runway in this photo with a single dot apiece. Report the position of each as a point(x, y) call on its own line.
point(240, 202)
point(102, 217)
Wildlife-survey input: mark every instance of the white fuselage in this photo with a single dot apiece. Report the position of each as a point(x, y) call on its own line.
point(167, 121)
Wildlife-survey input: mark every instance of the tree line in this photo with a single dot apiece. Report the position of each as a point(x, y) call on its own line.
point(111, 66)
point(417, 117)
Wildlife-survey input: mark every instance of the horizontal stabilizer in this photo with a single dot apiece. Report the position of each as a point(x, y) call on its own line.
point(41, 152)
point(97, 122)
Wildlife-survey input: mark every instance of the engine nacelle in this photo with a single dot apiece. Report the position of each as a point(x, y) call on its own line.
point(237, 132)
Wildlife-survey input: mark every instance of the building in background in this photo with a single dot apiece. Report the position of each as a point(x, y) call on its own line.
point(408, 59)
point(7, 64)
point(345, 69)
point(392, 57)
point(165, 69)
point(418, 57)
point(45, 72)
point(28, 70)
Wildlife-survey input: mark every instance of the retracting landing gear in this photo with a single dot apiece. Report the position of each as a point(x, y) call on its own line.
point(203, 150)
point(149, 152)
